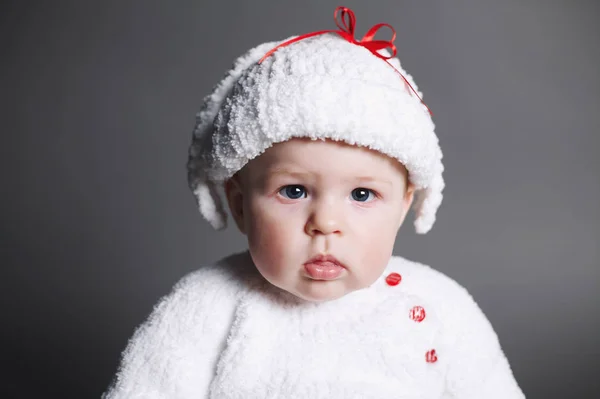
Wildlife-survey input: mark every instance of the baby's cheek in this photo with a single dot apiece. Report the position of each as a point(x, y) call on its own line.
point(267, 224)
point(270, 240)
point(376, 251)
point(376, 259)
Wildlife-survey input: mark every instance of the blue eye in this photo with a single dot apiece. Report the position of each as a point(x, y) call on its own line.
point(362, 194)
point(293, 191)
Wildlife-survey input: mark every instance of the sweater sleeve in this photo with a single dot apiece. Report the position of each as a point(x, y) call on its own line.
point(478, 367)
point(173, 354)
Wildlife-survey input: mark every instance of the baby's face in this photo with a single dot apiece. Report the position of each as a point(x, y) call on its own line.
point(302, 200)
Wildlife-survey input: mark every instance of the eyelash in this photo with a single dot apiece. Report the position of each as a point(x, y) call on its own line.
point(282, 192)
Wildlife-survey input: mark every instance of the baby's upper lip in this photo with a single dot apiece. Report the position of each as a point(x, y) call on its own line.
point(325, 258)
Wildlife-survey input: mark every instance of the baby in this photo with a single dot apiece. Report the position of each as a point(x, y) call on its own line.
point(322, 145)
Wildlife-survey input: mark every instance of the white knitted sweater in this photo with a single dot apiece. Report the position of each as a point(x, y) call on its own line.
point(224, 332)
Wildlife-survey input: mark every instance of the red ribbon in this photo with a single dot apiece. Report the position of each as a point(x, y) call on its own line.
point(348, 20)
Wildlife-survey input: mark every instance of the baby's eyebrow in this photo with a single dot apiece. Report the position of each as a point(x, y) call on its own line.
point(370, 179)
point(298, 175)
point(274, 174)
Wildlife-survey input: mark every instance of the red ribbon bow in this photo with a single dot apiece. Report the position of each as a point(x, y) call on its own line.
point(347, 32)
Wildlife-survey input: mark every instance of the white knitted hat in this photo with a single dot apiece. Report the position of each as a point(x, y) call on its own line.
point(319, 87)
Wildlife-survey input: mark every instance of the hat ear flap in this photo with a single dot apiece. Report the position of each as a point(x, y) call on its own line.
point(209, 202)
point(426, 204)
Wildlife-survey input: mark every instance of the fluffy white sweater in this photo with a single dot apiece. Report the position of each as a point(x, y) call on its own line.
point(224, 332)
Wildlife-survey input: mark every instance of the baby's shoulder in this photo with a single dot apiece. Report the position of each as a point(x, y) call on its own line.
point(229, 273)
point(431, 286)
point(211, 286)
point(416, 277)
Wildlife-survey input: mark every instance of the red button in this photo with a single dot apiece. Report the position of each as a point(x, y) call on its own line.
point(430, 356)
point(393, 279)
point(417, 314)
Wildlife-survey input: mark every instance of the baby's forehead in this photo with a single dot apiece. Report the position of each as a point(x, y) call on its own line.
point(300, 148)
point(323, 158)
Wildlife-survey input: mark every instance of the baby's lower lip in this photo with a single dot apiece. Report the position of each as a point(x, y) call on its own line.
point(323, 270)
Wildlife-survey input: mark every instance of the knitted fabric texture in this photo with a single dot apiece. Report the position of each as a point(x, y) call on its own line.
point(323, 87)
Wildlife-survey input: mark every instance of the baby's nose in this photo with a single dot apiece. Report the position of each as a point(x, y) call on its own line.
point(325, 218)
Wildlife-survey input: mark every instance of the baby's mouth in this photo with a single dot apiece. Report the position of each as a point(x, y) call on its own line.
point(324, 267)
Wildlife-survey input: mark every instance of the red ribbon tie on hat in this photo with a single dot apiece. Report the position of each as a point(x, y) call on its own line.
point(346, 30)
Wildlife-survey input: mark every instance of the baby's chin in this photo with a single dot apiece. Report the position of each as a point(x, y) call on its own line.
point(318, 291)
point(320, 298)
point(304, 289)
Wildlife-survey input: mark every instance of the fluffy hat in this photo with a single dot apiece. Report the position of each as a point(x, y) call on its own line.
point(324, 86)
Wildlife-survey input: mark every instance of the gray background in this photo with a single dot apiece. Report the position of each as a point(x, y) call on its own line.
point(98, 104)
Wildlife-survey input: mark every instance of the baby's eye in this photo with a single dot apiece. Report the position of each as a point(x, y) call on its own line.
point(294, 191)
point(363, 194)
